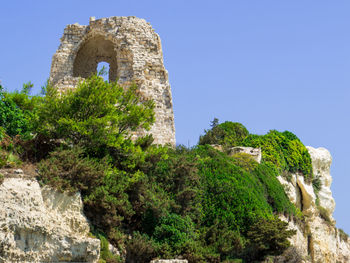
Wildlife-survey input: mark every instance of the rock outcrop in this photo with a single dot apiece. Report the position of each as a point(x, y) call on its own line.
point(42, 225)
point(317, 239)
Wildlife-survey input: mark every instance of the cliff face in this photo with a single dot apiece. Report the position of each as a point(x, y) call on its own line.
point(317, 238)
point(42, 225)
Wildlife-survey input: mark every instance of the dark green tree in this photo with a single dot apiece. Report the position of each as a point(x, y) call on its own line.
point(267, 237)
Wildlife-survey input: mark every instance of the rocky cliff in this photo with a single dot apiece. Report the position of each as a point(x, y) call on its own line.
point(317, 239)
point(42, 225)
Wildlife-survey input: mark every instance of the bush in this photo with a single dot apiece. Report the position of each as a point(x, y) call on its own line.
point(8, 155)
point(68, 170)
point(174, 230)
point(284, 151)
point(18, 111)
point(245, 161)
point(105, 254)
point(267, 237)
point(141, 249)
point(229, 192)
point(228, 134)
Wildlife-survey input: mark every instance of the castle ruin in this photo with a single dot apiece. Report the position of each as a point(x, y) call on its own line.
point(134, 54)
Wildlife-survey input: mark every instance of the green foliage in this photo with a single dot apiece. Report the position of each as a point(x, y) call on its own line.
point(96, 115)
point(284, 151)
point(68, 170)
point(228, 134)
point(227, 243)
point(174, 230)
point(199, 203)
point(245, 161)
point(105, 254)
point(1, 178)
point(141, 249)
point(8, 156)
point(274, 191)
point(229, 192)
point(317, 184)
point(12, 118)
point(18, 111)
point(267, 237)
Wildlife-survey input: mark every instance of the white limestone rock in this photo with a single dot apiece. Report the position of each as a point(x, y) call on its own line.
point(317, 240)
point(42, 225)
point(321, 163)
point(255, 153)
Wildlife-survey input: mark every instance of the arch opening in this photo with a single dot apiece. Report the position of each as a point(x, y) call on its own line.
point(103, 70)
point(93, 52)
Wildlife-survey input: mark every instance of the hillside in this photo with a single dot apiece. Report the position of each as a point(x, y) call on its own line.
point(234, 197)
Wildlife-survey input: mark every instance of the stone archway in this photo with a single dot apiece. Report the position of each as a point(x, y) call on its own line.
point(92, 51)
point(133, 51)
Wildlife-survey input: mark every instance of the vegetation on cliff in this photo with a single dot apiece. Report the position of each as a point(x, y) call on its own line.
point(149, 200)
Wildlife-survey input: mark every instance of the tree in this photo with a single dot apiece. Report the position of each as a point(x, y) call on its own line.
point(268, 237)
point(227, 134)
point(96, 115)
point(12, 118)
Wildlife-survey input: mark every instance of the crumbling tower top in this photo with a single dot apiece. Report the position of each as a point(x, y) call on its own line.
point(134, 54)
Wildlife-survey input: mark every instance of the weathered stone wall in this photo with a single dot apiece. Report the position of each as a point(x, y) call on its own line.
point(134, 53)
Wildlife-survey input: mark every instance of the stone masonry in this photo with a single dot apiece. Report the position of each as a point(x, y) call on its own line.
point(134, 53)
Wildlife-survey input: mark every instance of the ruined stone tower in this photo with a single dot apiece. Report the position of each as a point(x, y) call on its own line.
point(134, 53)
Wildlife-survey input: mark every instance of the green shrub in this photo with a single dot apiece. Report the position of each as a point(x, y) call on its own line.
point(245, 161)
point(227, 243)
point(105, 254)
point(18, 111)
point(284, 151)
point(267, 237)
point(274, 191)
point(8, 157)
point(141, 249)
point(229, 192)
point(228, 134)
point(68, 170)
point(174, 230)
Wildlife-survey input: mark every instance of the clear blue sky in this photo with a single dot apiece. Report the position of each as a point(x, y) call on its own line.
point(281, 65)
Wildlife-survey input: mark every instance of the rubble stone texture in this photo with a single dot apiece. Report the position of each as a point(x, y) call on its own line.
point(134, 53)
